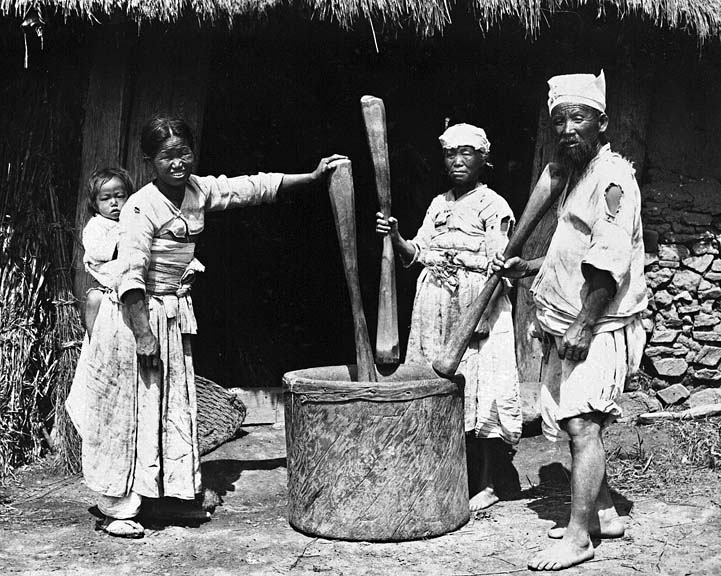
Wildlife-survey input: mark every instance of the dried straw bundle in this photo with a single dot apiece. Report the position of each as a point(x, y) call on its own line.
point(23, 319)
point(39, 327)
point(426, 17)
point(66, 339)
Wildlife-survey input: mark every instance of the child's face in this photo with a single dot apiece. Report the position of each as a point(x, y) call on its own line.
point(111, 198)
point(174, 162)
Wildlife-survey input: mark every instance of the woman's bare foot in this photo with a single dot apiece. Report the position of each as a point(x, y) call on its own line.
point(562, 555)
point(606, 524)
point(484, 499)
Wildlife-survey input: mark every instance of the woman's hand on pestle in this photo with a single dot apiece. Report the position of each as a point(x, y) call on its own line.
point(387, 226)
point(294, 182)
point(405, 250)
point(326, 165)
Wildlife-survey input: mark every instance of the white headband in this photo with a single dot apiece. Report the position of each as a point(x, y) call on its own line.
point(577, 89)
point(465, 135)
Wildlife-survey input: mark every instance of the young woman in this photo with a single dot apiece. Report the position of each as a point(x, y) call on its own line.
point(139, 426)
point(462, 231)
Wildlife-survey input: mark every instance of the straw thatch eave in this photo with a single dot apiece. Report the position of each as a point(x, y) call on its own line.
point(701, 18)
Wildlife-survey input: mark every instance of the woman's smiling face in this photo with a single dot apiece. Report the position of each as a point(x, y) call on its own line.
point(173, 163)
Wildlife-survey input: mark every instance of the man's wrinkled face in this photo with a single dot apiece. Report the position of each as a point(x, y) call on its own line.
point(579, 130)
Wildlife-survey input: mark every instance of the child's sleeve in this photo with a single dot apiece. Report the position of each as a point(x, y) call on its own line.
point(223, 193)
point(99, 245)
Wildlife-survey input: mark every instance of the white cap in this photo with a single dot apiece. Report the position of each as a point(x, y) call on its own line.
point(465, 135)
point(577, 89)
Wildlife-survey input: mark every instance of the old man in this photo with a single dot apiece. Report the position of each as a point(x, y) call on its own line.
point(588, 292)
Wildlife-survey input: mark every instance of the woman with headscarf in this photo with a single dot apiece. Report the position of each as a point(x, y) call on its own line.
point(462, 231)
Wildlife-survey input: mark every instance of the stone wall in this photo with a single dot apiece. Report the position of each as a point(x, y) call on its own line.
point(682, 232)
point(681, 209)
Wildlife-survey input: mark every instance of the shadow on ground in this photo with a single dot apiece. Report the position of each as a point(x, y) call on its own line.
point(221, 475)
point(550, 499)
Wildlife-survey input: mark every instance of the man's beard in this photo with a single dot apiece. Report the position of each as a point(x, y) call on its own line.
point(577, 157)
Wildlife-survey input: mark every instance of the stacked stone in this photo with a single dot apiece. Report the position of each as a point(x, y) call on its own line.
point(682, 233)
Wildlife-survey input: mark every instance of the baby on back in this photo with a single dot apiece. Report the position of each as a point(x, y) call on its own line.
point(107, 191)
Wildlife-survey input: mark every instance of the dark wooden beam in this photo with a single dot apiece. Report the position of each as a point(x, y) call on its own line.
point(171, 78)
point(103, 133)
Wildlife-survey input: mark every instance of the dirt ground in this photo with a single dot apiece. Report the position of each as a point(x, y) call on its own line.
point(673, 517)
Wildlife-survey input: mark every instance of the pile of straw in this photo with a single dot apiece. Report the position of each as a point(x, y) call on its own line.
point(23, 319)
point(66, 335)
point(39, 326)
point(427, 17)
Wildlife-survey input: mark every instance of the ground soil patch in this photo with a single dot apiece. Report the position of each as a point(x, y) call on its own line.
point(672, 508)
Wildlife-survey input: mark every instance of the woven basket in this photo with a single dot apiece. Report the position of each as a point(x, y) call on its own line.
point(220, 414)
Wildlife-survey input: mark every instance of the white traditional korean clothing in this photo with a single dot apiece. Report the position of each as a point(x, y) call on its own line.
point(138, 426)
point(100, 245)
point(589, 234)
point(457, 240)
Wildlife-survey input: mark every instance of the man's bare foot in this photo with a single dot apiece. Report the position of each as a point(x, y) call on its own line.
point(606, 524)
point(562, 555)
point(484, 499)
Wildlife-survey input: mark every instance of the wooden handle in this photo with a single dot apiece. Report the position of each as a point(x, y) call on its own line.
point(340, 188)
point(374, 117)
point(547, 189)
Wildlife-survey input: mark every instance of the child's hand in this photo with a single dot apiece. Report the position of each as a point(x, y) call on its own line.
point(326, 165)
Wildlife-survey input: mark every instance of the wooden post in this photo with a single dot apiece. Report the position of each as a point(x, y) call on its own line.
point(171, 78)
point(528, 350)
point(165, 72)
point(629, 110)
point(103, 128)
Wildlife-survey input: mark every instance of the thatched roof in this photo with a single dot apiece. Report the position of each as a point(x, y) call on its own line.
point(699, 17)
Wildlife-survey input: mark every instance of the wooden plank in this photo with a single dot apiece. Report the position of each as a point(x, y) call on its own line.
point(103, 132)
point(528, 350)
point(130, 80)
point(263, 405)
point(171, 79)
point(629, 110)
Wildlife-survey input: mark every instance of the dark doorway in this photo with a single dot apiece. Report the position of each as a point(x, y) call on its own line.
point(273, 298)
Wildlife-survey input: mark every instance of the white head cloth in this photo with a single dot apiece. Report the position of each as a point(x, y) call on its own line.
point(465, 135)
point(577, 89)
